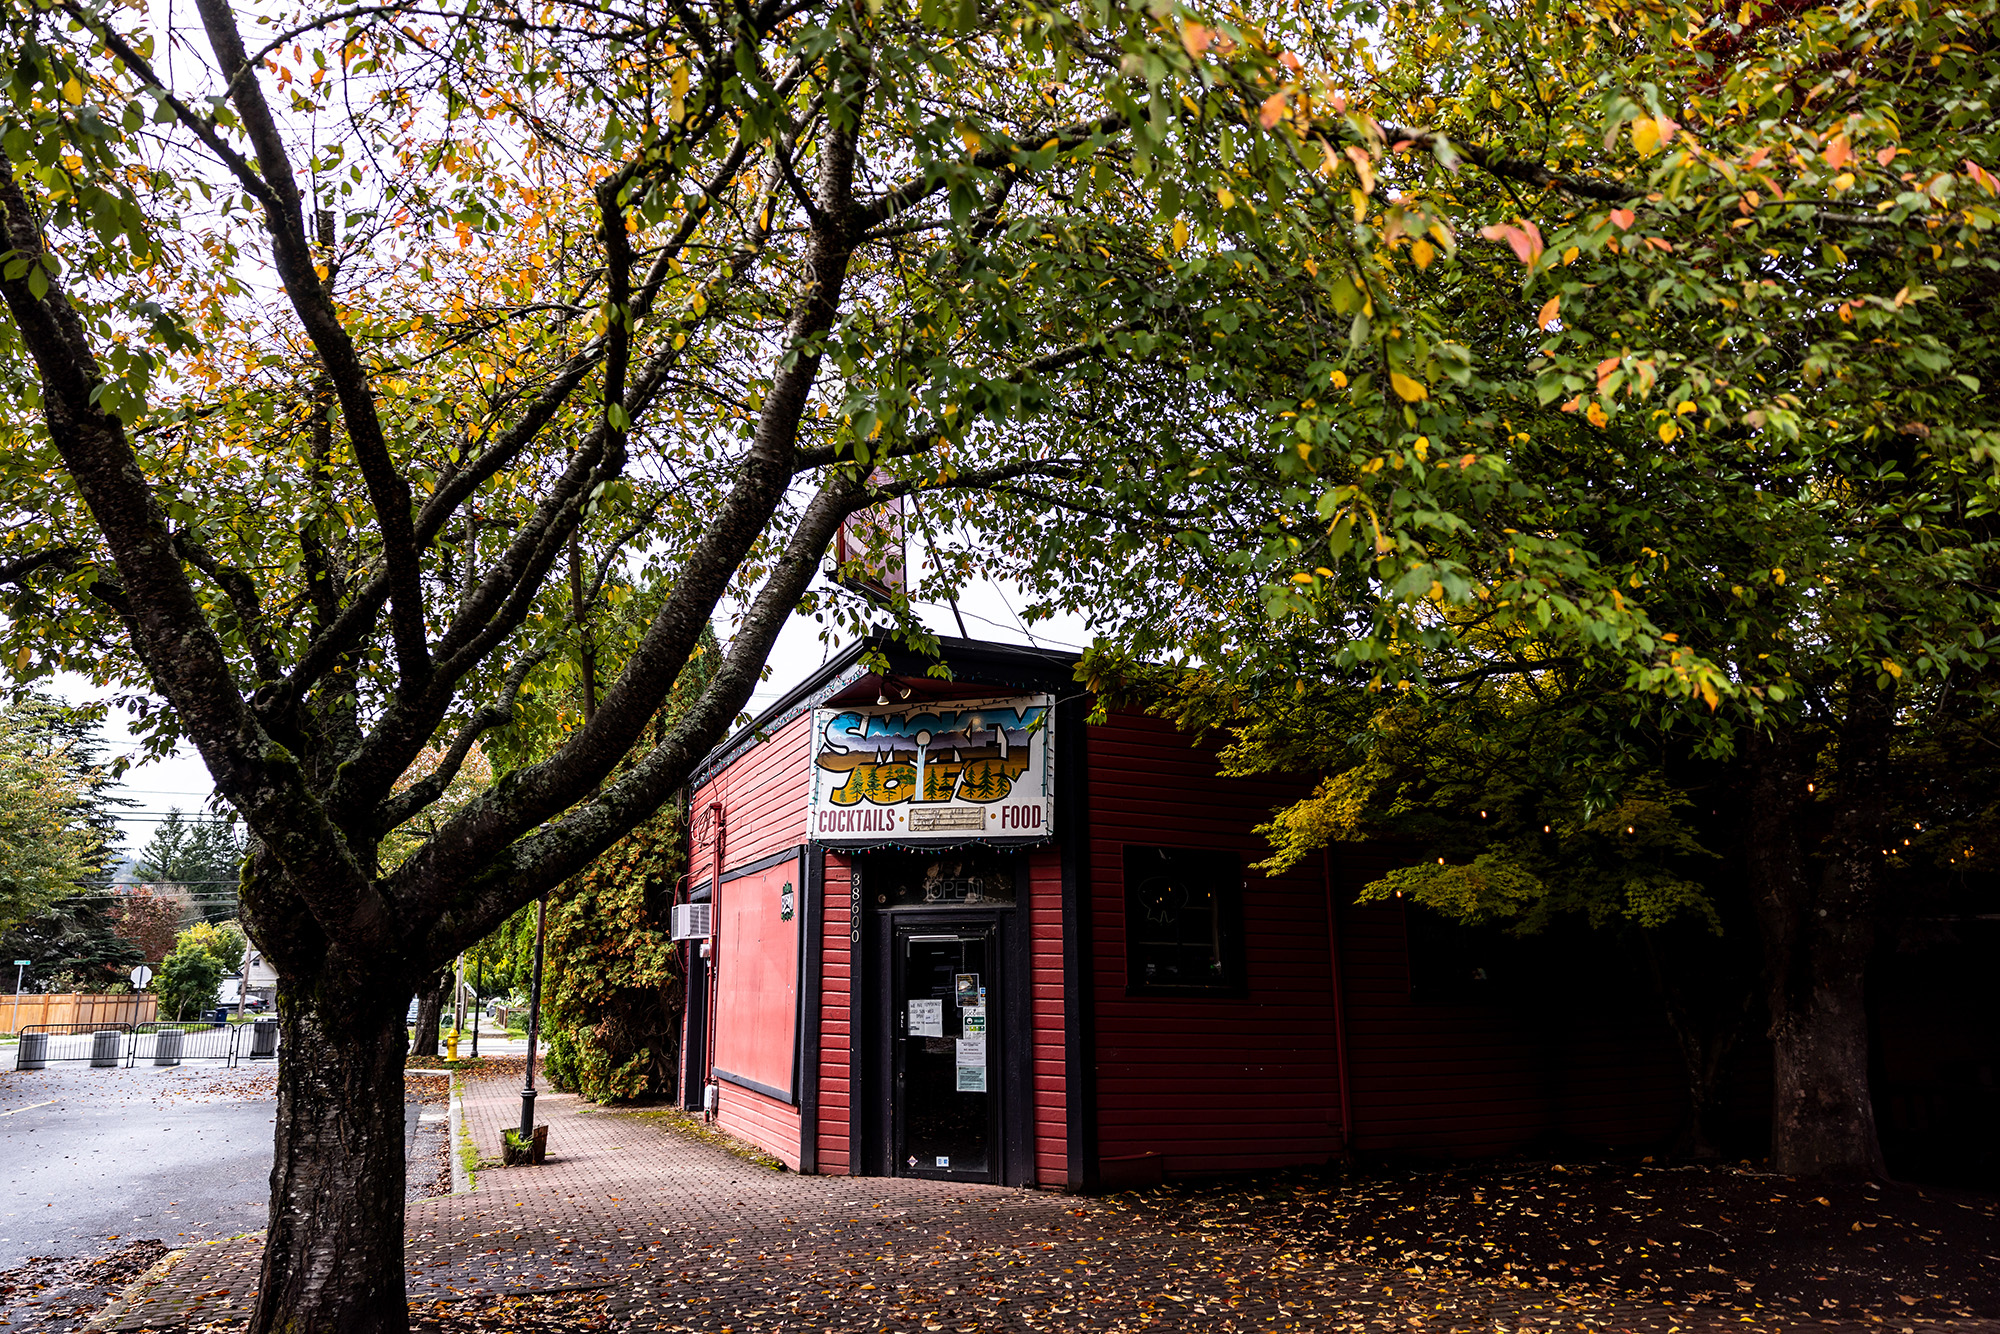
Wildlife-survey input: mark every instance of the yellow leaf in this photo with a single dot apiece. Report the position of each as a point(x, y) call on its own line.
point(1778, 574)
point(1226, 198)
point(1844, 182)
point(1550, 309)
point(1339, 379)
point(1894, 669)
point(1410, 391)
point(1595, 412)
point(1708, 694)
point(1180, 234)
point(73, 92)
point(1668, 432)
point(1423, 252)
point(1646, 137)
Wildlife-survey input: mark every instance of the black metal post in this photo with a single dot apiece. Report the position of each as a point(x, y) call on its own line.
point(479, 976)
point(534, 1021)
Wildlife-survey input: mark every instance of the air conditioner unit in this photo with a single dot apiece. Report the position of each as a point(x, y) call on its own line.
point(693, 921)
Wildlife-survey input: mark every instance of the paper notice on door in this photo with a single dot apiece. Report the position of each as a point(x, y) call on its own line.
point(926, 1018)
point(972, 1079)
point(973, 1019)
point(971, 1052)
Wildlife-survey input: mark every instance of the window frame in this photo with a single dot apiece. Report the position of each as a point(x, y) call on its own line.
point(1234, 982)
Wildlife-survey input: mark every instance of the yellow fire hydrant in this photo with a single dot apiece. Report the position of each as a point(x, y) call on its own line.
point(451, 1045)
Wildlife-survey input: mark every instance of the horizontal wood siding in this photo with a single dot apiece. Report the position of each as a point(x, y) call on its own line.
point(1222, 1084)
point(1228, 1084)
point(1048, 1007)
point(769, 1124)
point(763, 795)
point(836, 1027)
point(1491, 1078)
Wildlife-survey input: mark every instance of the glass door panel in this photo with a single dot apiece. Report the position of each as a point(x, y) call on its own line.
point(946, 1097)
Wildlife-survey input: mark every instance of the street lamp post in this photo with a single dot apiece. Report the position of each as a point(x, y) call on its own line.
point(534, 1021)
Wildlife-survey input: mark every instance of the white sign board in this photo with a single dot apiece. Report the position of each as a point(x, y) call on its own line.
point(926, 1018)
point(963, 772)
point(141, 976)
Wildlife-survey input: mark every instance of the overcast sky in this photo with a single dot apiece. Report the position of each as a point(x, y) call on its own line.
point(182, 782)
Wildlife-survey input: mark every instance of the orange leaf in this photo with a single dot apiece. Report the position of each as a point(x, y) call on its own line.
point(1886, 156)
point(1838, 154)
point(1660, 243)
point(1197, 39)
point(1273, 110)
point(1756, 159)
point(1623, 218)
point(1604, 369)
point(1550, 309)
point(1363, 167)
point(1526, 239)
point(1291, 62)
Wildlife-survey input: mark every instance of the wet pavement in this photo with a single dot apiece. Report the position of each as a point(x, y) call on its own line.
point(88, 1156)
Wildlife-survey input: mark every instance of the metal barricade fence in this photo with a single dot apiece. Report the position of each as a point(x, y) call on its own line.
point(173, 1043)
point(43, 1043)
point(168, 1044)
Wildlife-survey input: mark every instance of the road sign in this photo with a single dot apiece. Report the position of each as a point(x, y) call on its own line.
point(22, 963)
point(141, 976)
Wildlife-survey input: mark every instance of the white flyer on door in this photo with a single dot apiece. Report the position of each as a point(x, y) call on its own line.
point(972, 1052)
point(926, 1018)
point(972, 1079)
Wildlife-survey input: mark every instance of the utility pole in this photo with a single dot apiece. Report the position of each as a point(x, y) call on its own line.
point(534, 1019)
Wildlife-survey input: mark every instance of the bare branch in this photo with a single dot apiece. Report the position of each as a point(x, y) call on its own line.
point(405, 805)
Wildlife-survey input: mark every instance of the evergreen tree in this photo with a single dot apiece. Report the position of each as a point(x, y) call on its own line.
point(201, 855)
point(72, 945)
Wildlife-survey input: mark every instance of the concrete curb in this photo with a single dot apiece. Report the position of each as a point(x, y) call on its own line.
point(461, 1177)
point(135, 1291)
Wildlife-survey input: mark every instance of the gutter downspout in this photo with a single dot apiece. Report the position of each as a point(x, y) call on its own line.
point(714, 934)
point(1339, 981)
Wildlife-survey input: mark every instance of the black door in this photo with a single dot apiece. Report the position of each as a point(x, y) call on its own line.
point(947, 1046)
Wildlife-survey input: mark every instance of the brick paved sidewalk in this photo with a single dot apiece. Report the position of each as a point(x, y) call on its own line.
point(644, 1228)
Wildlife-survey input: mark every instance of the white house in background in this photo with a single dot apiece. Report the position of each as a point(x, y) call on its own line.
point(259, 977)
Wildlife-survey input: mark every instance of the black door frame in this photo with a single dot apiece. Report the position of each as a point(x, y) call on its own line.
point(1010, 1059)
point(961, 923)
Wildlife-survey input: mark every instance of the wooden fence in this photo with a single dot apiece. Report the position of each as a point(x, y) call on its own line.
point(17, 1013)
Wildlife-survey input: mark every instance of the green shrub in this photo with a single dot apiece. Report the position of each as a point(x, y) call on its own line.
point(612, 988)
point(187, 982)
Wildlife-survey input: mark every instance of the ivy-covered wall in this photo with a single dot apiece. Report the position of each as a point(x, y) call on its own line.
point(612, 988)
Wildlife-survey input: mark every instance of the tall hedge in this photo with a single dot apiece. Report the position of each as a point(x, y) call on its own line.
point(612, 986)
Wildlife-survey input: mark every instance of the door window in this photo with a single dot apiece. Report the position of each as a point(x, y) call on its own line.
point(946, 1061)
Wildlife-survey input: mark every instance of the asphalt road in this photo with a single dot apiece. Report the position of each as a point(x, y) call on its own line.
point(179, 1153)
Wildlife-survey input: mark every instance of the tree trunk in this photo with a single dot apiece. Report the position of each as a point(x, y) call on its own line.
point(1817, 939)
point(1704, 1035)
point(333, 1255)
point(430, 1010)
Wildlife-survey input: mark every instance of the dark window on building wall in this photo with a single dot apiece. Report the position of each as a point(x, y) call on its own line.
point(1183, 920)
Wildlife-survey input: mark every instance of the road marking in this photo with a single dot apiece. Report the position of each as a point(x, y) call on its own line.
point(30, 1107)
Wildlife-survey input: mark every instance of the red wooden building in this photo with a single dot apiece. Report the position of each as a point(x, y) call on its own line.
point(959, 932)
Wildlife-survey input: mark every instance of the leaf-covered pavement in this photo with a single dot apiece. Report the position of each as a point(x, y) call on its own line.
point(635, 1226)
